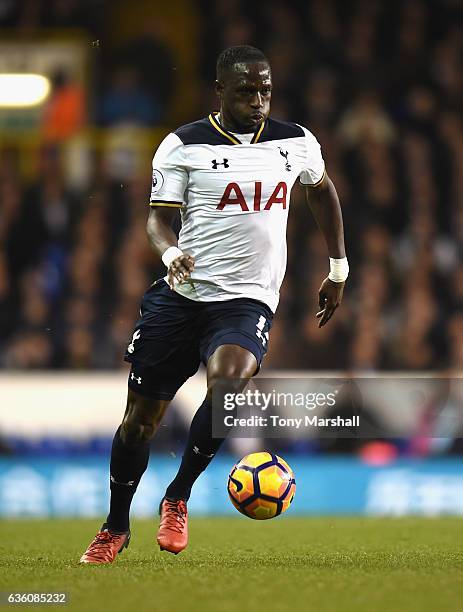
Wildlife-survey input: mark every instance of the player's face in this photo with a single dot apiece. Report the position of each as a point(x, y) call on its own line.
point(245, 94)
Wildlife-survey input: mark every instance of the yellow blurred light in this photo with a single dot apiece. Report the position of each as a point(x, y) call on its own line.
point(22, 90)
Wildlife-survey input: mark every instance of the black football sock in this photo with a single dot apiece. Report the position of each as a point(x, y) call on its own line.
point(199, 452)
point(128, 464)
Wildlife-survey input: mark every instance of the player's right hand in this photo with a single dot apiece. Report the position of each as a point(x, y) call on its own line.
point(180, 269)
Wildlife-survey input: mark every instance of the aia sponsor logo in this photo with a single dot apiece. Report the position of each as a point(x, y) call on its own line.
point(233, 196)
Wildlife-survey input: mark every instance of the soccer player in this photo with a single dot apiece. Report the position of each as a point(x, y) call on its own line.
point(230, 175)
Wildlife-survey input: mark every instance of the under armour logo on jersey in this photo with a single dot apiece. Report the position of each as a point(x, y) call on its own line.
point(285, 155)
point(137, 378)
point(136, 336)
point(216, 164)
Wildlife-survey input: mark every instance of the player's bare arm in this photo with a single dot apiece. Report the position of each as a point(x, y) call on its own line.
point(162, 237)
point(326, 209)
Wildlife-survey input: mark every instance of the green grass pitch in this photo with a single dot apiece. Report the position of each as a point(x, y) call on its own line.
point(284, 565)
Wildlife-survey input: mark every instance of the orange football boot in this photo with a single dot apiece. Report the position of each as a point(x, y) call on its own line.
point(105, 546)
point(173, 527)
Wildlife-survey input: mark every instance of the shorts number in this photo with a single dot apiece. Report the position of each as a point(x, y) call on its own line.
point(260, 330)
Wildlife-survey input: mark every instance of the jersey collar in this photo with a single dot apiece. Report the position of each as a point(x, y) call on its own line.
point(231, 137)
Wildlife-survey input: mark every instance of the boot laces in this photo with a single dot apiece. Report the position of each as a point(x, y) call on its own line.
point(100, 548)
point(174, 517)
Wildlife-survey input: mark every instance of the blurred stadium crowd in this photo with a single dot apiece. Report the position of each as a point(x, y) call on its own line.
point(381, 86)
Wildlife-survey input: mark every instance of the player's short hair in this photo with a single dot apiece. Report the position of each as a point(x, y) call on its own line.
point(240, 54)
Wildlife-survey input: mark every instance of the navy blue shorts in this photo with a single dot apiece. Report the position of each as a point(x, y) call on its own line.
point(175, 334)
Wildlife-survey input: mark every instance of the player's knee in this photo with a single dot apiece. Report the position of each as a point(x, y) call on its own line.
point(241, 366)
point(135, 432)
point(233, 376)
point(141, 420)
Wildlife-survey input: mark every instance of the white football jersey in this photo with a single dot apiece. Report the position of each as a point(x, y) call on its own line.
point(233, 198)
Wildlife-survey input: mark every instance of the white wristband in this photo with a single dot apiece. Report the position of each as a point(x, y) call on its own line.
point(339, 270)
point(170, 254)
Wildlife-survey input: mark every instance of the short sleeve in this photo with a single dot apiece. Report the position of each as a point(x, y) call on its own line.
point(170, 176)
point(314, 170)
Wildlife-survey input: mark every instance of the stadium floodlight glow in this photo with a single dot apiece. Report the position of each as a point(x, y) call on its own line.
point(23, 90)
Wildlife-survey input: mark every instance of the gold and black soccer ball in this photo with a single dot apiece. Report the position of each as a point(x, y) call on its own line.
point(261, 486)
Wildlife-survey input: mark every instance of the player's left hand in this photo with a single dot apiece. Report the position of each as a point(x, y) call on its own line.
point(329, 298)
